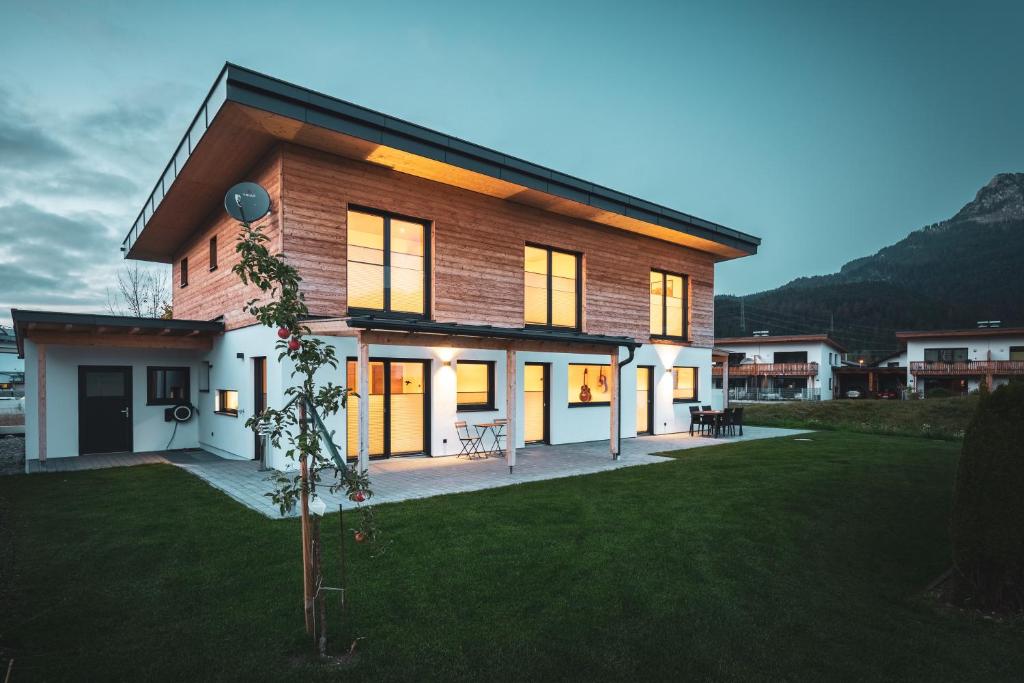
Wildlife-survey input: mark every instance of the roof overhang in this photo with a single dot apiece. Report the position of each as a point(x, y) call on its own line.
point(246, 113)
point(783, 339)
point(77, 329)
point(405, 332)
point(971, 332)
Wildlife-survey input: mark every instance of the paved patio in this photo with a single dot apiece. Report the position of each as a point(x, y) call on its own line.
point(401, 479)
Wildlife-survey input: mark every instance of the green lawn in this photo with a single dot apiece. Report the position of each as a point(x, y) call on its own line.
point(762, 560)
point(933, 418)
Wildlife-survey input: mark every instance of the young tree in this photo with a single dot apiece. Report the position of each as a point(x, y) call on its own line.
point(140, 293)
point(301, 420)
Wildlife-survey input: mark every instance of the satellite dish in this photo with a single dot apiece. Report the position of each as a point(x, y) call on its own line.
point(247, 202)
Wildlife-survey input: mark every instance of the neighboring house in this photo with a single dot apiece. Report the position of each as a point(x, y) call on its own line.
point(12, 367)
point(774, 368)
point(455, 282)
point(886, 378)
point(958, 361)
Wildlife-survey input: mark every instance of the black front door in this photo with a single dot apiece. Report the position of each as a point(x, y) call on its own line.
point(104, 409)
point(259, 400)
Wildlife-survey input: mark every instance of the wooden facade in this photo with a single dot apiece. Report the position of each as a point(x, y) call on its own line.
point(477, 249)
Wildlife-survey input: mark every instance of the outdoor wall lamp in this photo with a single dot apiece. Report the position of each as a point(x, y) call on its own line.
point(446, 363)
point(240, 356)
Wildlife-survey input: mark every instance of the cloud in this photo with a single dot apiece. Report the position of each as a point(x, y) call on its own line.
point(25, 145)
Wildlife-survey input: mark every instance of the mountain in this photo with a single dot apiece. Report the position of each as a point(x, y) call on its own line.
point(950, 274)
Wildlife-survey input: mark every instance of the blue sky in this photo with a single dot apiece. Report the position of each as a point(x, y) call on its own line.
point(829, 129)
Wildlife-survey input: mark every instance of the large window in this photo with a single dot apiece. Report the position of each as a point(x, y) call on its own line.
point(226, 402)
point(684, 384)
point(945, 355)
point(790, 357)
point(552, 292)
point(387, 263)
point(167, 386)
point(1017, 353)
point(589, 385)
point(668, 304)
point(475, 384)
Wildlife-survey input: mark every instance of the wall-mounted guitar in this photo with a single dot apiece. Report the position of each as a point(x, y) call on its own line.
point(585, 390)
point(602, 382)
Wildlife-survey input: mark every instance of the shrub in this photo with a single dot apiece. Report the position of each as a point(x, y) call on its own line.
point(939, 392)
point(988, 506)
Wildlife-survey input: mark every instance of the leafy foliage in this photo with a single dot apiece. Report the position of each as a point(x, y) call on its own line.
point(988, 506)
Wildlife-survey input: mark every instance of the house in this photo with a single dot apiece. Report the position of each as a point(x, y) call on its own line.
point(780, 367)
point(885, 378)
point(12, 368)
point(454, 281)
point(958, 361)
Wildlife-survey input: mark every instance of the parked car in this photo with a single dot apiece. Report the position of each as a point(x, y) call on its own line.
point(889, 393)
point(853, 393)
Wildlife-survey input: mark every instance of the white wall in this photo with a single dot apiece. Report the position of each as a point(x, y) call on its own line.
point(151, 432)
point(978, 348)
point(817, 352)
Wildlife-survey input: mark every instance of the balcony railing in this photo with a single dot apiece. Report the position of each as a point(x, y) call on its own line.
point(962, 368)
point(769, 370)
point(773, 394)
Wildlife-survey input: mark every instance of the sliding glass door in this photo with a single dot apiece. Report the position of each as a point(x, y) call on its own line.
point(399, 407)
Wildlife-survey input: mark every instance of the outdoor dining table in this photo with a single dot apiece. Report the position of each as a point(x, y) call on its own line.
point(716, 424)
point(483, 429)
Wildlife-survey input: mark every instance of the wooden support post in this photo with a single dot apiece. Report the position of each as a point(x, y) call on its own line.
point(725, 385)
point(307, 565)
point(41, 394)
point(613, 392)
point(363, 382)
point(989, 381)
point(510, 408)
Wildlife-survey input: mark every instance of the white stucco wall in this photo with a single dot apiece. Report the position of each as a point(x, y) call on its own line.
point(150, 431)
point(978, 348)
point(817, 352)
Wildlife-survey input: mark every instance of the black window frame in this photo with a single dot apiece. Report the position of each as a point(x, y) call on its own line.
point(219, 402)
point(685, 336)
point(428, 264)
point(941, 351)
point(696, 384)
point(183, 273)
point(590, 404)
point(213, 253)
point(152, 400)
point(476, 407)
point(803, 355)
point(578, 255)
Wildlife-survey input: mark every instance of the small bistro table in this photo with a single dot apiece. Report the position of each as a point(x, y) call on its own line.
point(493, 428)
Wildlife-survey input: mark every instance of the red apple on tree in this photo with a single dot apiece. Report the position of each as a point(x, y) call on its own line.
point(293, 344)
point(283, 332)
point(358, 496)
point(360, 537)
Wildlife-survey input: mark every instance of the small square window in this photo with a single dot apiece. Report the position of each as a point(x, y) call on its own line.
point(226, 402)
point(167, 386)
point(589, 385)
point(684, 384)
point(475, 384)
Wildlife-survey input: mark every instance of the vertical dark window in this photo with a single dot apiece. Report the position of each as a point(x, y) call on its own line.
point(213, 253)
point(388, 263)
point(184, 272)
point(167, 386)
point(669, 304)
point(551, 296)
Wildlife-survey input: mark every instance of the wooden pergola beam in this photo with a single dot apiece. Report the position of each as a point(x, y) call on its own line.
point(495, 344)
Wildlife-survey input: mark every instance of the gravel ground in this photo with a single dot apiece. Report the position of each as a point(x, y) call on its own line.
point(12, 455)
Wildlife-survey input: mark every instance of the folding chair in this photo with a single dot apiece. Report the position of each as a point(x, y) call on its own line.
point(470, 442)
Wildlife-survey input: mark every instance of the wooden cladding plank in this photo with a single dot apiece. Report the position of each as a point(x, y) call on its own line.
point(477, 248)
point(122, 341)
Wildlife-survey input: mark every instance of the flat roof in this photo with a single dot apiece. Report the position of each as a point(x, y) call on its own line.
point(783, 339)
point(287, 112)
point(969, 332)
point(27, 320)
point(489, 331)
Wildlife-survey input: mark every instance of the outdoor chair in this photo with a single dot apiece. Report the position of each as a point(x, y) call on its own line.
point(471, 443)
point(729, 421)
point(737, 419)
point(501, 424)
point(695, 419)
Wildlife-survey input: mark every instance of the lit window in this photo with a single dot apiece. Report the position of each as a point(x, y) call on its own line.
point(475, 384)
point(387, 259)
point(668, 304)
point(226, 402)
point(167, 386)
point(589, 385)
point(551, 294)
point(684, 384)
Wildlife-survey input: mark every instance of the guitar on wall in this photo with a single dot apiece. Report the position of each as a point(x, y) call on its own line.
point(602, 382)
point(585, 390)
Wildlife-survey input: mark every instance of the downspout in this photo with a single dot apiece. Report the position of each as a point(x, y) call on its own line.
point(618, 388)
